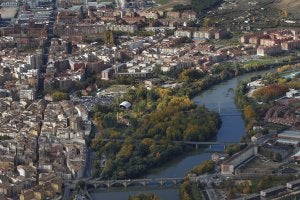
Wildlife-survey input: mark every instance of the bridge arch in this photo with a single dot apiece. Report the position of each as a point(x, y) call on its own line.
point(117, 184)
point(154, 183)
point(90, 186)
point(136, 183)
point(169, 183)
point(102, 185)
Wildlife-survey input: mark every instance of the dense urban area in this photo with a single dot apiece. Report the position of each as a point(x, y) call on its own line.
point(98, 97)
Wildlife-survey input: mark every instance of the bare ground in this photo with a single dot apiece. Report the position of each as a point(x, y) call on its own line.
point(169, 6)
point(292, 6)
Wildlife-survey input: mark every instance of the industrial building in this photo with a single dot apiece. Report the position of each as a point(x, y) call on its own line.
point(250, 197)
point(290, 135)
point(296, 156)
point(288, 142)
point(293, 184)
point(229, 166)
point(272, 191)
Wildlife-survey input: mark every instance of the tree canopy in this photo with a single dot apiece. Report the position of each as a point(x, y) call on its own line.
point(157, 119)
point(58, 96)
point(270, 92)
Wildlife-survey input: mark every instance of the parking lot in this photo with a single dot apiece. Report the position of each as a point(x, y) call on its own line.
point(90, 101)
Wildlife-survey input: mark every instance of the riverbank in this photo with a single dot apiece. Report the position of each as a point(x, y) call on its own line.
point(226, 72)
point(256, 101)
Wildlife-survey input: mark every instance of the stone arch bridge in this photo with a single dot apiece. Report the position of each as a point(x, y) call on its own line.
point(162, 182)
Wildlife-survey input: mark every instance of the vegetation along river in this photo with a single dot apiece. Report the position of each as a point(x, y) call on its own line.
point(219, 98)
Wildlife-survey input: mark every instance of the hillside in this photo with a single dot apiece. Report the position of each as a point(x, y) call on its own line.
point(292, 6)
point(168, 4)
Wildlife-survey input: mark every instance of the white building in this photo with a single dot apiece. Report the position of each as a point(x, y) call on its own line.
point(28, 94)
point(293, 93)
point(183, 33)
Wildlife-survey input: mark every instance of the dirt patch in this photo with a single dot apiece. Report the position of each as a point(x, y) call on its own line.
point(171, 3)
point(292, 6)
point(8, 12)
point(260, 165)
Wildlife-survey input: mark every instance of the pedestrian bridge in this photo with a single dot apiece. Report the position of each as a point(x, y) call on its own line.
point(162, 182)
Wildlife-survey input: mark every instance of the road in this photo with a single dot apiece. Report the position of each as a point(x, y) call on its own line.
point(45, 51)
point(211, 193)
point(88, 164)
point(208, 179)
point(66, 195)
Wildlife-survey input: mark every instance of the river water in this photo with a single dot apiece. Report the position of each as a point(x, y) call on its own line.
point(219, 98)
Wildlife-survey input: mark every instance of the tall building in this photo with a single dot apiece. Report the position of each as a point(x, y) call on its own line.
point(35, 61)
point(68, 47)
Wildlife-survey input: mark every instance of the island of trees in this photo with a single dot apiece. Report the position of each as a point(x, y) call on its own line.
point(148, 134)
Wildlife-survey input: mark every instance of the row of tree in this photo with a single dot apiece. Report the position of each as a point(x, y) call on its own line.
point(189, 191)
point(196, 81)
point(288, 68)
point(270, 92)
point(205, 167)
point(144, 197)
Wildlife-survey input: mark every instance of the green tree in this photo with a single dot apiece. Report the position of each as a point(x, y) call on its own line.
point(232, 149)
point(58, 96)
point(79, 93)
point(80, 185)
point(208, 21)
point(125, 152)
point(246, 188)
point(189, 75)
point(206, 166)
point(277, 157)
point(144, 197)
point(263, 183)
point(111, 38)
point(249, 113)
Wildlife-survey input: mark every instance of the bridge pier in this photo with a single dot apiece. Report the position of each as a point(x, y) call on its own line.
point(210, 146)
point(196, 146)
point(161, 183)
point(175, 182)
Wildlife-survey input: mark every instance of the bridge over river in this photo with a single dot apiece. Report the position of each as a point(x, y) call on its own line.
point(146, 182)
point(195, 143)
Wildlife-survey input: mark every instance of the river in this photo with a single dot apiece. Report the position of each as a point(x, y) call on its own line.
point(219, 98)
